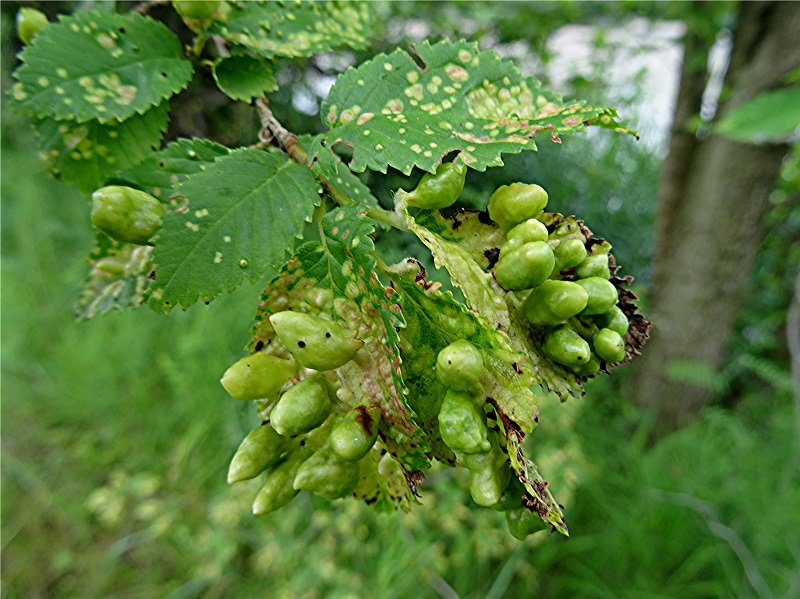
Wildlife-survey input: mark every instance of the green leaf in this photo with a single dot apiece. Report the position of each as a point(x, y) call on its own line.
point(100, 65)
point(296, 29)
point(118, 278)
point(342, 183)
point(770, 116)
point(393, 112)
point(244, 77)
point(464, 262)
point(161, 173)
point(338, 276)
point(86, 154)
point(242, 216)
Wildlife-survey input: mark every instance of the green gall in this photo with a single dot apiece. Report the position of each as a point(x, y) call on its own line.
point(324, 474)
point(613, 319)
point(525, 267)
point(462, 424)
point(354, 434)
point(524, 232)
point(257, 376)
point(277, 489)
point(440, 189)
point(259, 450)
point(569, 253)
point(609, 345)
point(315, 342)
point(590, 368)
point(126, 214)
point(302, 408)
point(459, 365)
point(489, 476)
point(512, 204)
point(522, 522)
point(602, 295)
point(30, 22)
point(595, 265)
point(564, 346)
point(197, 9)
point(554, 302)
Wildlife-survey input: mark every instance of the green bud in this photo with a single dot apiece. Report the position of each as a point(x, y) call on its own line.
point(489, 476)
point(609, 345)
point(462, 424)
point(614, 319)
point(260, 449)
point(257, 376)
point(525, 267)
point(354, 434)
point(523, 522)
point(315, 342)
point(277, 490)
point(302, 408)
point(440, 189)
point(30, 22)
point(595, 265)
point(565, 346)
point(324, 474)
point(512, 204)
point(459, 365)
point(553, 302)
point(602, 295)
point(197, 9)
point(569, 253)
point(126, 214)
point(525, 232)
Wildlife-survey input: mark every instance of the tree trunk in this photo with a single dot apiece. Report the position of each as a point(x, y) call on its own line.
point(714, 197)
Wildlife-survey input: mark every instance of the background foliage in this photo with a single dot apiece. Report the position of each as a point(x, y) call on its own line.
point(116, 434)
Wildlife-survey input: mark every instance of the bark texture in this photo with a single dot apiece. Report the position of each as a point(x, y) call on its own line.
point(714, 196)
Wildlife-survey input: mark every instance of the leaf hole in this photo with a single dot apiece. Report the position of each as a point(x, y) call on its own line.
point(301, 344)
point(327, 335)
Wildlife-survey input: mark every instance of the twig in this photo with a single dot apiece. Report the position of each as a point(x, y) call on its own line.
point(144, 7)
point(271, 129)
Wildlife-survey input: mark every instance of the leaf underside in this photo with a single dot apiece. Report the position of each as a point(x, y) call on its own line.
point(100, 65)
point(240, 218)
point(117, 280)
point(244, 77)
point(393, 112)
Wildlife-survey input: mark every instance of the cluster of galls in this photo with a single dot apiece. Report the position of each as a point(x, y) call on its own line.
point(569, 295)
point(462, 427)
point(309, 442)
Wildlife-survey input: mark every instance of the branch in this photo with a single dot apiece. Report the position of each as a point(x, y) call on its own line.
point(271, 129)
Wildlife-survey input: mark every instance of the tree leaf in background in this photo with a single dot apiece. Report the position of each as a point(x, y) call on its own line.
point(127, 63)
point(87, 153)
point(242, 217)
point(244, 77)
point(460, 99)
point(296, 29)
point(769, 117)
